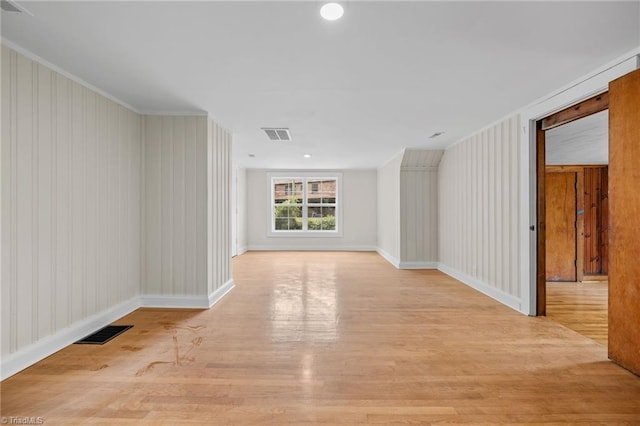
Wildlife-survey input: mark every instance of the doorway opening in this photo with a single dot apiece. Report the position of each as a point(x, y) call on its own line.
point(573, 217)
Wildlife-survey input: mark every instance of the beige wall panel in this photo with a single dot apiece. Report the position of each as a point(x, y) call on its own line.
point(175, 188)
point(478, 206)
point(219, 207)
point(70, 213)
point(389, 208)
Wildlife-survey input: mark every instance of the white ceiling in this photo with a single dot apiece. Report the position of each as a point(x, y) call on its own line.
point(584, 141)
point(354, 92)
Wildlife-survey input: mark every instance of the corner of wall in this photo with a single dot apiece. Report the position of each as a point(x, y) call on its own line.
point(493, 292)
point(389, 258)
point(220, 292)
point(29, 355)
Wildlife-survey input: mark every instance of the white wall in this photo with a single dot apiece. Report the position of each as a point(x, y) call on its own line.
point(388, 206)
point(103, 211)
point(175, 204)
point(419, 218)
point(478, 211)
point(71, 218)
point(242, 209)
point(219, 211)
point(359, 215)
point(419, 208)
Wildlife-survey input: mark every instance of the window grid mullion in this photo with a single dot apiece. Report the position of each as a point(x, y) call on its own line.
point(305, 210)
point(304, 205)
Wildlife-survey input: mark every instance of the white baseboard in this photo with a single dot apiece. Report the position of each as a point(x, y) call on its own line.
point(219, 293)
point(29, 355)
point(418, 265)
point(242, 250)
point(176, 302)
point(497, 294)
point(405, 265)
point(289, 247)
point(391, 259)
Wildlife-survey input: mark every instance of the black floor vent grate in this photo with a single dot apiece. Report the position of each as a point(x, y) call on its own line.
point(103, 335)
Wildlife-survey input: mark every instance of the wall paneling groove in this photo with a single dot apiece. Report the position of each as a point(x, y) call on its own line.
point(219, 207)
point(70, 210)
point(175, 182)
point(478, 211)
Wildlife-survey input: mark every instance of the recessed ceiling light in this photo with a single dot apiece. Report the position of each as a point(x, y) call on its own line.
point(307, 155)
point(331, 11)
point(251, 155)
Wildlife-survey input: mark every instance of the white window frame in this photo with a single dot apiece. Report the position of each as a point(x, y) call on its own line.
point(272, 232)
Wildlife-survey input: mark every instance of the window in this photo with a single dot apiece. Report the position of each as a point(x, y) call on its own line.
point(304, 204)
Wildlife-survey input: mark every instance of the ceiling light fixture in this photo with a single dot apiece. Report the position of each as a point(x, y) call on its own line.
point(307, 155)
point(436, 134)
point(331, 11)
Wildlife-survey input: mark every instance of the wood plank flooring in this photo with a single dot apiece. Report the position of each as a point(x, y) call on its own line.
point(333, 338)
point(581, 307)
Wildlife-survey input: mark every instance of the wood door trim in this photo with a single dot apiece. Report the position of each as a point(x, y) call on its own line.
point(582, 109)
point(580, 225)
point(575, 112)
point(541, 282)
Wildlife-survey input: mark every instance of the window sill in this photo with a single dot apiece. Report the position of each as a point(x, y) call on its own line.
point(304, 234)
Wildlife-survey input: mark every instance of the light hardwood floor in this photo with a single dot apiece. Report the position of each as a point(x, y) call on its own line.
point(335, 338)
point(581, 307)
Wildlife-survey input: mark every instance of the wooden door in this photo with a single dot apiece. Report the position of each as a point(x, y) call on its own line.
point(560, 219)
point(596, 217)
point(624, 220)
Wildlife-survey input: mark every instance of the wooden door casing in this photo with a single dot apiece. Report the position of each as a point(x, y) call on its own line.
point(575, 112)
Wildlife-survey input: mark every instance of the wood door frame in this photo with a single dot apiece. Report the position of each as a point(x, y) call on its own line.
point(575, 112)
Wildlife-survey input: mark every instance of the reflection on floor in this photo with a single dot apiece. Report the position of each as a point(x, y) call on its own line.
point(334, 339)
point(581, 307)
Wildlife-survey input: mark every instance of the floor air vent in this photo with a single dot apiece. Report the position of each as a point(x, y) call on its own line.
point(103, 335)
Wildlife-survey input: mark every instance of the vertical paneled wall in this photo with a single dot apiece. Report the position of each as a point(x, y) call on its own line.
point(219, 199)
point(175, 204)
point(389, 209)
point(419, 217)
point(71, 217)
point(478, 205)
point(419, 208)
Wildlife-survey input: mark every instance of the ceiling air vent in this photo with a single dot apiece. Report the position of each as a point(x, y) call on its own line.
point(280, 134)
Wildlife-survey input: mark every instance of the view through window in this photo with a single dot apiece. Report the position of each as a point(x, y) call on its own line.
point(304, 204)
